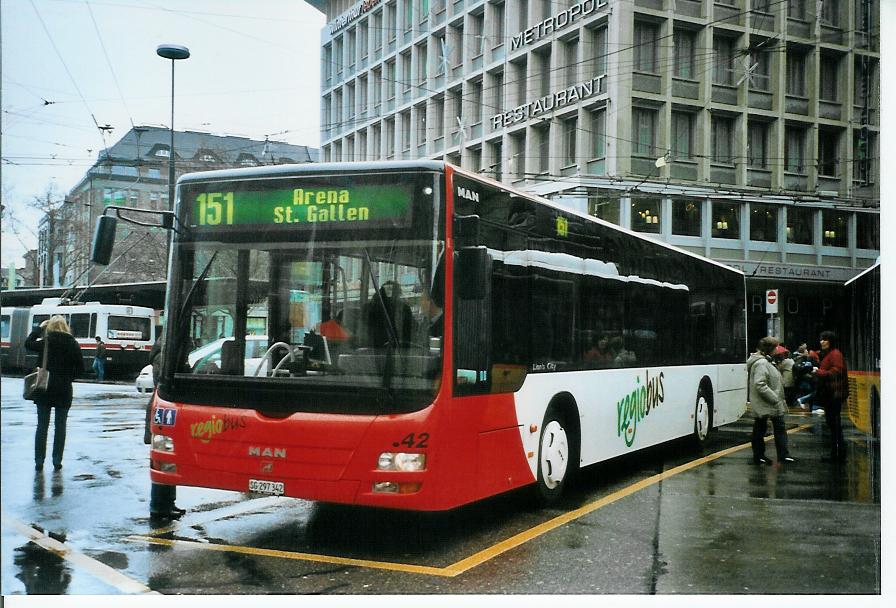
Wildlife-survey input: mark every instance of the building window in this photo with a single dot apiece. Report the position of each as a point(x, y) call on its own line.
point(867, 231)
point(830, 12)
point(517, 161)
point(522, 15)
point(829, 77)
point(599, 133)
point(682, 135)
point(794, 149)
point(571, 59)
point(643, 131)
point(604, 204)
point(475, 37)
point(861, 150)
point(599, 50)
point(796, 73)
point(390, 138)
point(760, 78)
point(796, 9)
point(543, 65)
point(420, 111)
point(644, 43)
point(542, 135)
point(497, 87)
point(497, 24)
point(757, 144)
point(686, 217)
point(800, 225)
point(685, 41)
point(362, 95)
point(834, 228)
point(422, 64)
point(521, 80)
point(406, 131)
point(390, 80)
point(645, 215)
point(763, 222)
point(828, 152)
point(570, 131)
point(723, 60)
point(725, 220)
point(474, 95)
point(438, 119)
point(722, 139)
point(406, 72)
point(497, 159)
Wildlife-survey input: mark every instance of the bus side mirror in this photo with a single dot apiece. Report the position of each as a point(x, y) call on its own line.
point(471, 273)
point(466, 231)
point(103, 240)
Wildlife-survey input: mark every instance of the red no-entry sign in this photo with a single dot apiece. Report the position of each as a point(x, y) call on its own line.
point(771, 301)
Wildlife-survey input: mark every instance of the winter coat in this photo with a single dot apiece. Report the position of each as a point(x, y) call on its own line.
point(64, 362)
point(765, 386)
point(833, 386)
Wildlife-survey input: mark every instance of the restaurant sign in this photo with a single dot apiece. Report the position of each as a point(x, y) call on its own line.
point(554, 101)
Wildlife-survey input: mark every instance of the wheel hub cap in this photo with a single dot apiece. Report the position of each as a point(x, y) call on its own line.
point(554, 454)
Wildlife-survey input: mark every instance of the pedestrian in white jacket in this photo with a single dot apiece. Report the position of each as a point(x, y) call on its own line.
point(766, 395)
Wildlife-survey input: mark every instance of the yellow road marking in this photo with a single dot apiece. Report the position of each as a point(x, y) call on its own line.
point(311, 557)
point(472, 561)
point(97, 568)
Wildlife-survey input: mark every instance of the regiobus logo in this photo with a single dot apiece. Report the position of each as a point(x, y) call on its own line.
point(634, 407)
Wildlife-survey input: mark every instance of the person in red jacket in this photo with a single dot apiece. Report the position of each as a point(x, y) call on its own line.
point(832, 391)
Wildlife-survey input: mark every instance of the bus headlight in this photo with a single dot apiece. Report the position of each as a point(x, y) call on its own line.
point(163, 443)
point(401, 461)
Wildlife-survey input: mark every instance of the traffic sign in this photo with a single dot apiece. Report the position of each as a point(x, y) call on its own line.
point(771, 301)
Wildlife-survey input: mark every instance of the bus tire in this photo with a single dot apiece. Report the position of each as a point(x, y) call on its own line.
point(702, 415)
point(556, 449)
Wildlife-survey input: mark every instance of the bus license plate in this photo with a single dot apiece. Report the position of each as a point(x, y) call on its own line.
point(266, 487)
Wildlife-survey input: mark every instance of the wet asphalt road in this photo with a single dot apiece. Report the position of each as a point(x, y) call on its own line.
point(634, 525)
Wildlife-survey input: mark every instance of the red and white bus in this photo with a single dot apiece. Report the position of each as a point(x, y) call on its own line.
point(433, 338)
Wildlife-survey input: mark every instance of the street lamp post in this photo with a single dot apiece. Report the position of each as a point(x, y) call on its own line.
point(172, 52)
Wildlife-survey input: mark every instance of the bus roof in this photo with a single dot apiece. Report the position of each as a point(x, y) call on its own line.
point(312, 169)
point(277, 171)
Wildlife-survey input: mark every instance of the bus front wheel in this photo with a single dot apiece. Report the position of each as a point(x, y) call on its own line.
point(554, 454)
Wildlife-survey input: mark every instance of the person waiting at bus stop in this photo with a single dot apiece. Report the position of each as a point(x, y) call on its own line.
point(832, 390)
point(161, 495)
point(99, 360)
point(766, 395)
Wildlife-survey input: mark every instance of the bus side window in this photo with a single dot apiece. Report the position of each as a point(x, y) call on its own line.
point(92, 331)
point(80, 325)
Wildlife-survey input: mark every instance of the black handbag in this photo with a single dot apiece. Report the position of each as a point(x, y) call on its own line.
point(36, 383)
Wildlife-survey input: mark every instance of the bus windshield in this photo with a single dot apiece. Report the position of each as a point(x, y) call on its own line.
point(316, 322)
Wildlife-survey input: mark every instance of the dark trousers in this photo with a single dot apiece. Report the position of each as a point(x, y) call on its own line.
point(43, 427)
point(832, 409)
point(161, 498)
point(760, 425)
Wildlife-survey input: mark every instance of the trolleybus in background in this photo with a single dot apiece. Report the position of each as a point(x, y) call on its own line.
point(434, 338)
point(862, 349)
point(126, 330)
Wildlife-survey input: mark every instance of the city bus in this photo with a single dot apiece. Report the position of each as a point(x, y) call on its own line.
point(863, 350)
point(434, 337)
point(126, 330)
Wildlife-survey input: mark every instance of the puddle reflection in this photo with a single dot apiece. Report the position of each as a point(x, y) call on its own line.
point(42, 572)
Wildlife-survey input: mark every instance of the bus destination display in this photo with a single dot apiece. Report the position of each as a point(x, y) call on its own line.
point(360, 207)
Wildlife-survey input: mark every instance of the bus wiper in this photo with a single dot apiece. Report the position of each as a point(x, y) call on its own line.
point(390, 329)
point(184, 310)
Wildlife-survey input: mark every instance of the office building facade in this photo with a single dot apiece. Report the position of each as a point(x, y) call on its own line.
point(743, 130)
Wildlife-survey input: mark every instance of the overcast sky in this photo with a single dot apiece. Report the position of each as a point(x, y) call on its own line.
point(68, 65)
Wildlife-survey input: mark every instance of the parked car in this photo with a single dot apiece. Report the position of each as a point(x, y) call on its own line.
point(209, 356)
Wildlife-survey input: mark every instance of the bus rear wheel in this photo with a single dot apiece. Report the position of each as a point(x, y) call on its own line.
point(555, 450)
point(702, 416)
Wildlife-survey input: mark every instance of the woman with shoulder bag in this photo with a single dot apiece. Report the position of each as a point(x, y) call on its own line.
point(64, 362)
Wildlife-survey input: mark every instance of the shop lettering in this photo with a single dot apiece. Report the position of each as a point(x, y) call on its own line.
point(557, 100)
point(351, 14)
point(206, 430)
point(320, 206)
point(555, 23)
point(637, 405)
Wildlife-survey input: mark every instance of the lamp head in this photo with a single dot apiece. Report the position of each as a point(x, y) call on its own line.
point(172, 51)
